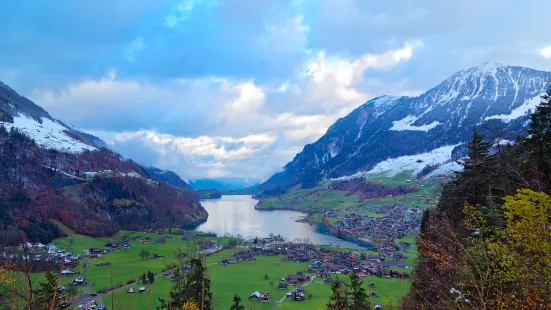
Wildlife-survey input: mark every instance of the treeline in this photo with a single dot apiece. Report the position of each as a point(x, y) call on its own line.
point(369, 190)
point(487, 245)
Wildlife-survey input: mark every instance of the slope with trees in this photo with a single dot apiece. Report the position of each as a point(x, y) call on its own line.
point(487, 245)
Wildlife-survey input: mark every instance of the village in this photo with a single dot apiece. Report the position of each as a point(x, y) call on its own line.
point(378, 226)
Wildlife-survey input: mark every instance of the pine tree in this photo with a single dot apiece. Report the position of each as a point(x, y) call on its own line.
point(48, 292)
point(478, 150)
point(338, 300)
point(190, 285)
point(150, 277)
point(540, 135)
point(237, 303)
point(357, 296)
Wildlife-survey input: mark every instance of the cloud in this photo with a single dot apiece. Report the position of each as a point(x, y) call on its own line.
point(190, 157)
point(546, 52)
point(247, 102)
point(333, 81)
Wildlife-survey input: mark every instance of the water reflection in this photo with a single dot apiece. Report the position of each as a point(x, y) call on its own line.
point(236, 215)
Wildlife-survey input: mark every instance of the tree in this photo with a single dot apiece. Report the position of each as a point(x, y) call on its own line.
point(150, 277)
point(266, 277)
point(190, 305)
point(144, 278)
point(357, 296)
point(237, 303)
point(144, 254)
point(190, 285)
point(272, 283)
point(338, 299)
point(48, 296)
point(540, 135)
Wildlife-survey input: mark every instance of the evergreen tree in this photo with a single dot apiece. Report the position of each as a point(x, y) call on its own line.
point(48, 292)
point(478, 150)
point(150, 277)
point(540, 135)
point(190, 285)
point(237, 303)
point(144, 278)
point(338, 299)
point(357, 296)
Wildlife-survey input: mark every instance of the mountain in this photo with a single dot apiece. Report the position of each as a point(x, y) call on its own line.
point(50, 172)
point(224, 183)
point(419, 132)
point(20, 112)
point(169, 177)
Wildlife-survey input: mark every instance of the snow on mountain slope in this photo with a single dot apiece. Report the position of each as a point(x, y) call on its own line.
point(50, 134)
point(445, 170)
point(414, 163)
point(526, 108)
point(493, 97)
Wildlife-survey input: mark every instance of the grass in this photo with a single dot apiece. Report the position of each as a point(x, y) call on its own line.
point(313, 200)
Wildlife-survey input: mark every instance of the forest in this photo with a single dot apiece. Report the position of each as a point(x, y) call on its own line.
point(369, 190)
point(95, 193)
point(487, 244)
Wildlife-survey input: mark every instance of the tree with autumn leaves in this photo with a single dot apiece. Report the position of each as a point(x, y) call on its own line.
point(487, 245)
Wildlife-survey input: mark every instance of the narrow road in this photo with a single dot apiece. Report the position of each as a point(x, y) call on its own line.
point(278, 302)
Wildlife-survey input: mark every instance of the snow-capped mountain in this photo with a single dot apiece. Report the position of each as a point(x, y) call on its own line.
point(493, 97)
point(20, 112)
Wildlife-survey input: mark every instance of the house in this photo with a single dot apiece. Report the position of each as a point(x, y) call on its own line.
point(187, 236)
point(328, 280)
point(160, 241)
point(130, 290)
point(283, 286)
point(79, 281)
point(378, 307)
point(141, 290)
point(255, 296)
point(265, 297)
point(67, 272)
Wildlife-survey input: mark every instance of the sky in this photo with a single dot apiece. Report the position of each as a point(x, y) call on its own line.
point(212, 88)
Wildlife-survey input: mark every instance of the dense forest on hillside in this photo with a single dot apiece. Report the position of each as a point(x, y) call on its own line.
point(368, 190)
point(487, 245)
point(95, 193)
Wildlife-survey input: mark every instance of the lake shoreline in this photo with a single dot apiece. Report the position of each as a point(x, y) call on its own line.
point(238, 215)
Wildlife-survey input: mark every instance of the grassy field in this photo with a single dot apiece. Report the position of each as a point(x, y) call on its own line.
point(247, 277)
point(313, 200)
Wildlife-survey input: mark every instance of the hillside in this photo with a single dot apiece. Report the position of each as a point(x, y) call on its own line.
point(493, 97)
point(169, 177)
point(487, 244)
point(49, 171)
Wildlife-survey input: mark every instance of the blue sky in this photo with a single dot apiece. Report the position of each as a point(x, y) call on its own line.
point(238, 87)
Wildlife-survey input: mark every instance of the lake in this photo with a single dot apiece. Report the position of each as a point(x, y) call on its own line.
point(235, 214)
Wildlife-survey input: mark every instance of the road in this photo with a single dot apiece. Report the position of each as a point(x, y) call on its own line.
point(278, 302)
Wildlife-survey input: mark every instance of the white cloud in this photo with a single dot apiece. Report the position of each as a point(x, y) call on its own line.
point(333, 81)
point(546, 52)
point(249, 99)
point(221, 126)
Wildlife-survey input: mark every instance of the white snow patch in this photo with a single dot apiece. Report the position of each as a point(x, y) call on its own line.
point(526, 107)
point(414, 163)
point(446, 169)
point(49, 134)
point(405, 124)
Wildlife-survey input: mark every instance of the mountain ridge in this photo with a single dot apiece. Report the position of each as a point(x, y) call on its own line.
point(489, 96)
